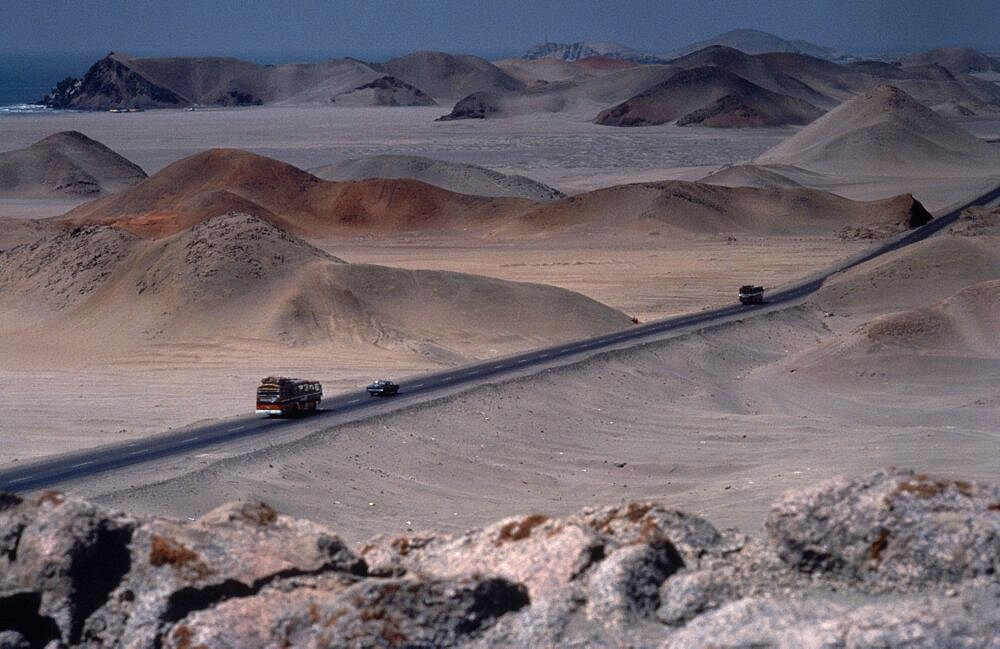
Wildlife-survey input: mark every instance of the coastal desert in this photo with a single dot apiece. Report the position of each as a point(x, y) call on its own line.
point(694, 347)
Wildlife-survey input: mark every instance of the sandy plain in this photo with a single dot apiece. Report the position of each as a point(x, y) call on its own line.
point(715, 423)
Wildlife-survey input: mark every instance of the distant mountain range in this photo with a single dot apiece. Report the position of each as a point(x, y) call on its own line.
point(122, 81)
point(753, 41)
point(586, 50)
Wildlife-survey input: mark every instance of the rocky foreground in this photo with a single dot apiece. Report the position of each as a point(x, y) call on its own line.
point(894, 559)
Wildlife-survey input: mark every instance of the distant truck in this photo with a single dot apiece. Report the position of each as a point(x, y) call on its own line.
point(382, 388)
point(279, 395)
point(750, 294)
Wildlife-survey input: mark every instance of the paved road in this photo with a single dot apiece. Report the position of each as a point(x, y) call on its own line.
point(358, 405)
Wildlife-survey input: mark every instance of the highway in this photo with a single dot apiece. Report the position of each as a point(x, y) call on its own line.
point(355, 406)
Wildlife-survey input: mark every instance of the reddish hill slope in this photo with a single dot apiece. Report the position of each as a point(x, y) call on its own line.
point(222, 180)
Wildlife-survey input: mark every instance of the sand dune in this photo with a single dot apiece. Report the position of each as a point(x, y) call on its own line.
point(748, 176)
point(455, 177)
point(101, 289)
point(957, 59)
point(65, 164)
point(384, 91)
point(14, 232)
point(534, 72)
point(913, 277)
point(584, 97)
point(768, 73)
point(883, 132)
point(709, 96)
point(445, 76)
point(977, 222)
point(826, 84)
point(693, 208)
point(966, 323)
point(538, 72)
point(220, 180)
point(938, 87)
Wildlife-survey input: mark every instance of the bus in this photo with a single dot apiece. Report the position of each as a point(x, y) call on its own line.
point(279, 395)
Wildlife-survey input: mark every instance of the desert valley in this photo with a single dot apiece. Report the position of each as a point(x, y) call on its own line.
point(173, 229)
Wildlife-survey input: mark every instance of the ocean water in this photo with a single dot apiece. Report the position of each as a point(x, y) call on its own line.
point(26, 78)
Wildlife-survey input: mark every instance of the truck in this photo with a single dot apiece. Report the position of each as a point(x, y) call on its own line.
point(279, 396)
point(750, 294)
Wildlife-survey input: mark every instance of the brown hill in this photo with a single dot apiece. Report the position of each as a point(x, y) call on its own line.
point(883, 132)
point(236, 276)
point(709, 96)
point(700, 209)
point(221, 180)
point(65, 164)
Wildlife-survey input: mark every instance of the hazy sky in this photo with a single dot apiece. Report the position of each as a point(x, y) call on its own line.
point(378, 28)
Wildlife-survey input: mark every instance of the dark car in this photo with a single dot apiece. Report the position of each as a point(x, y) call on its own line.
point(750, 294)
point(382, 388)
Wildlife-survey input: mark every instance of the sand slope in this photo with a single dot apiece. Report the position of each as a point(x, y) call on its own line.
point(956, 59)
point(915, 276)
point(748, 176)
point(445, 76)
point(883, 132)
point(825, 83)
point(384, 91)
point(977, 222)
point(709, 96)
point(455, 177)
point(768, 73)
point(689, 208)
point(966, 323)
point(100, 289)
point(221, 180)
point(65, 164)
point(539, 72)
point(582, 97)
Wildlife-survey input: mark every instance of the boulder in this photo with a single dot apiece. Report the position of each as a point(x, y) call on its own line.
point(63, 557)
point(370, 613)
point(890, 530)
point(231, 552)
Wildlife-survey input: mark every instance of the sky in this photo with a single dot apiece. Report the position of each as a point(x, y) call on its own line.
point(378, 29)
